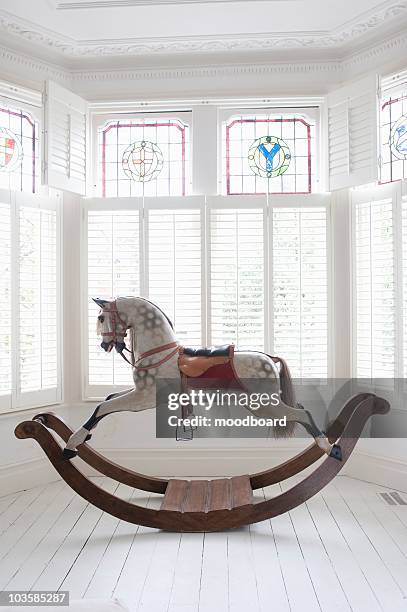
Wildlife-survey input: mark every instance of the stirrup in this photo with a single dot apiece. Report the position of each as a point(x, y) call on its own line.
point(188, 433)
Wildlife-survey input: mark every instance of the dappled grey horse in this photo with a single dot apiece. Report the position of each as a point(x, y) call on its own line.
point(154, 352)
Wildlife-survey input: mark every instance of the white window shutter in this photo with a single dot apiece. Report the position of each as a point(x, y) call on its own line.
point(5, 291)
point(175, 275)
point(237, 274)
point(66, 128)
point(38, 339)
point(404, 275)
point(300, 289)
point(113, 269)
point(374, 284)
point(352, 134)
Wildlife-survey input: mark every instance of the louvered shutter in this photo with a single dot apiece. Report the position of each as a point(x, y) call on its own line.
point(175, 275)
point(237, 274)
point(113, 239)
point(300, 289)
point(352, 134)
point(38, 291)
point(404, 274)
point(66, 125)
point(5, 292)
point(374, 284)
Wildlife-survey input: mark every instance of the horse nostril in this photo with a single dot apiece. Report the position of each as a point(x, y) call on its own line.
point(120, 346)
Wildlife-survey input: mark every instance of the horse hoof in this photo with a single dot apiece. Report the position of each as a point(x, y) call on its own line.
point(336, 452)
point(67, 453)
point(88, 437)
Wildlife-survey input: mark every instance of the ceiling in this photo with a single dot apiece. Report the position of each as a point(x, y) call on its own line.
point(86, 32)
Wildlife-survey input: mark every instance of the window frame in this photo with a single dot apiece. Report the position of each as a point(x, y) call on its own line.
point(395, 93)
point(315, 113)
point(36, 111)
point(98, 120)
point(205, 118)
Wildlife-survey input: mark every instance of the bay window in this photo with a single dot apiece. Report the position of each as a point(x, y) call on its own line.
point(237, 270)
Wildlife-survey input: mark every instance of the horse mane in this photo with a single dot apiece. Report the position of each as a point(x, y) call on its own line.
point(131, 332)
point(160, 310)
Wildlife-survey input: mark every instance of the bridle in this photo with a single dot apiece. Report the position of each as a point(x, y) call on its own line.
point(117, 333)
point(164, 347)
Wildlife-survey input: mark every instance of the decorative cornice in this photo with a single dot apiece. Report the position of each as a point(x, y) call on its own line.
point(27, 68)
point(216, 71)
point(338, 39)
point(33, 67)
point(92, 4)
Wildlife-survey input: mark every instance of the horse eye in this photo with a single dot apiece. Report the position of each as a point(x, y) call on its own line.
point(101, 318)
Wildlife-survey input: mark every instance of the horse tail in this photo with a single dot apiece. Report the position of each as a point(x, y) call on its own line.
point(286, 382)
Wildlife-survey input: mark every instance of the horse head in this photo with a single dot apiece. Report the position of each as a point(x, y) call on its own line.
point(110, 325)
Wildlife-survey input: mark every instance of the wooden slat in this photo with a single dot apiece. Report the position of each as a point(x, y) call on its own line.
point(197, 496)
point(175, 495)
point(220, 494)
point(242, 493)
point(207, 496)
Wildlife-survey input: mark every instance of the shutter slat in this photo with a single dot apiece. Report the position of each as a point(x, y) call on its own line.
point(374, 280)
point(352, 134)
point(113, 269)
point(5, 291)
point(236, 279)
point(38, 324)
point(300, 289)
point(175, 275)
point(66, 131)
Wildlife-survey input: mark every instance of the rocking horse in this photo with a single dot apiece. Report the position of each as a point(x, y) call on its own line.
point(195, 505)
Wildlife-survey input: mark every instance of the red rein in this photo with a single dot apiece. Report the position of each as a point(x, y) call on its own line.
point(115, 334)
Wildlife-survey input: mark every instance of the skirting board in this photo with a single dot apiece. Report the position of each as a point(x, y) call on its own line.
point(383, 471)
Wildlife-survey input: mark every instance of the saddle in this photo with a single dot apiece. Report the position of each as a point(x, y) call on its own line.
point(194, 363)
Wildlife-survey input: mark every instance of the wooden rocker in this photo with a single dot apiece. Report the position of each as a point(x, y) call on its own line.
point(205, 505)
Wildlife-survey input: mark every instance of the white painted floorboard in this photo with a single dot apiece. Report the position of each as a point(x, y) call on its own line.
point(345, 549)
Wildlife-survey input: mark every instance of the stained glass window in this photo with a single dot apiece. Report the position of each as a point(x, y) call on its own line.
point(269, 154)
point(393, 137)
point(18, 150)
point(144, 157)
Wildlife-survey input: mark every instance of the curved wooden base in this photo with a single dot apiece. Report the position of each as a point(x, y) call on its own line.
point(205, 505)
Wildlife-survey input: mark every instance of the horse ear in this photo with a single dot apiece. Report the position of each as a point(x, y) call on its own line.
point(100, 302)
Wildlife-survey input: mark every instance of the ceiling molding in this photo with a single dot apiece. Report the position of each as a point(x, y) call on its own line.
point(158, 74)
point(339, 39)
point(34, 68)
point(102, 84)
point(92, 4)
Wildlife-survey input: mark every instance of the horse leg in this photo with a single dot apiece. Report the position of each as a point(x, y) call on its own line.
point(94, 415)
point(304, 417)
point(125, 400)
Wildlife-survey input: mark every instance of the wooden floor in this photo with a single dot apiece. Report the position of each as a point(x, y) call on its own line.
point(346, 549)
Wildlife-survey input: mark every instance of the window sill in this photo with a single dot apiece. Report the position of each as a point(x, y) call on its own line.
point(7, 412)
